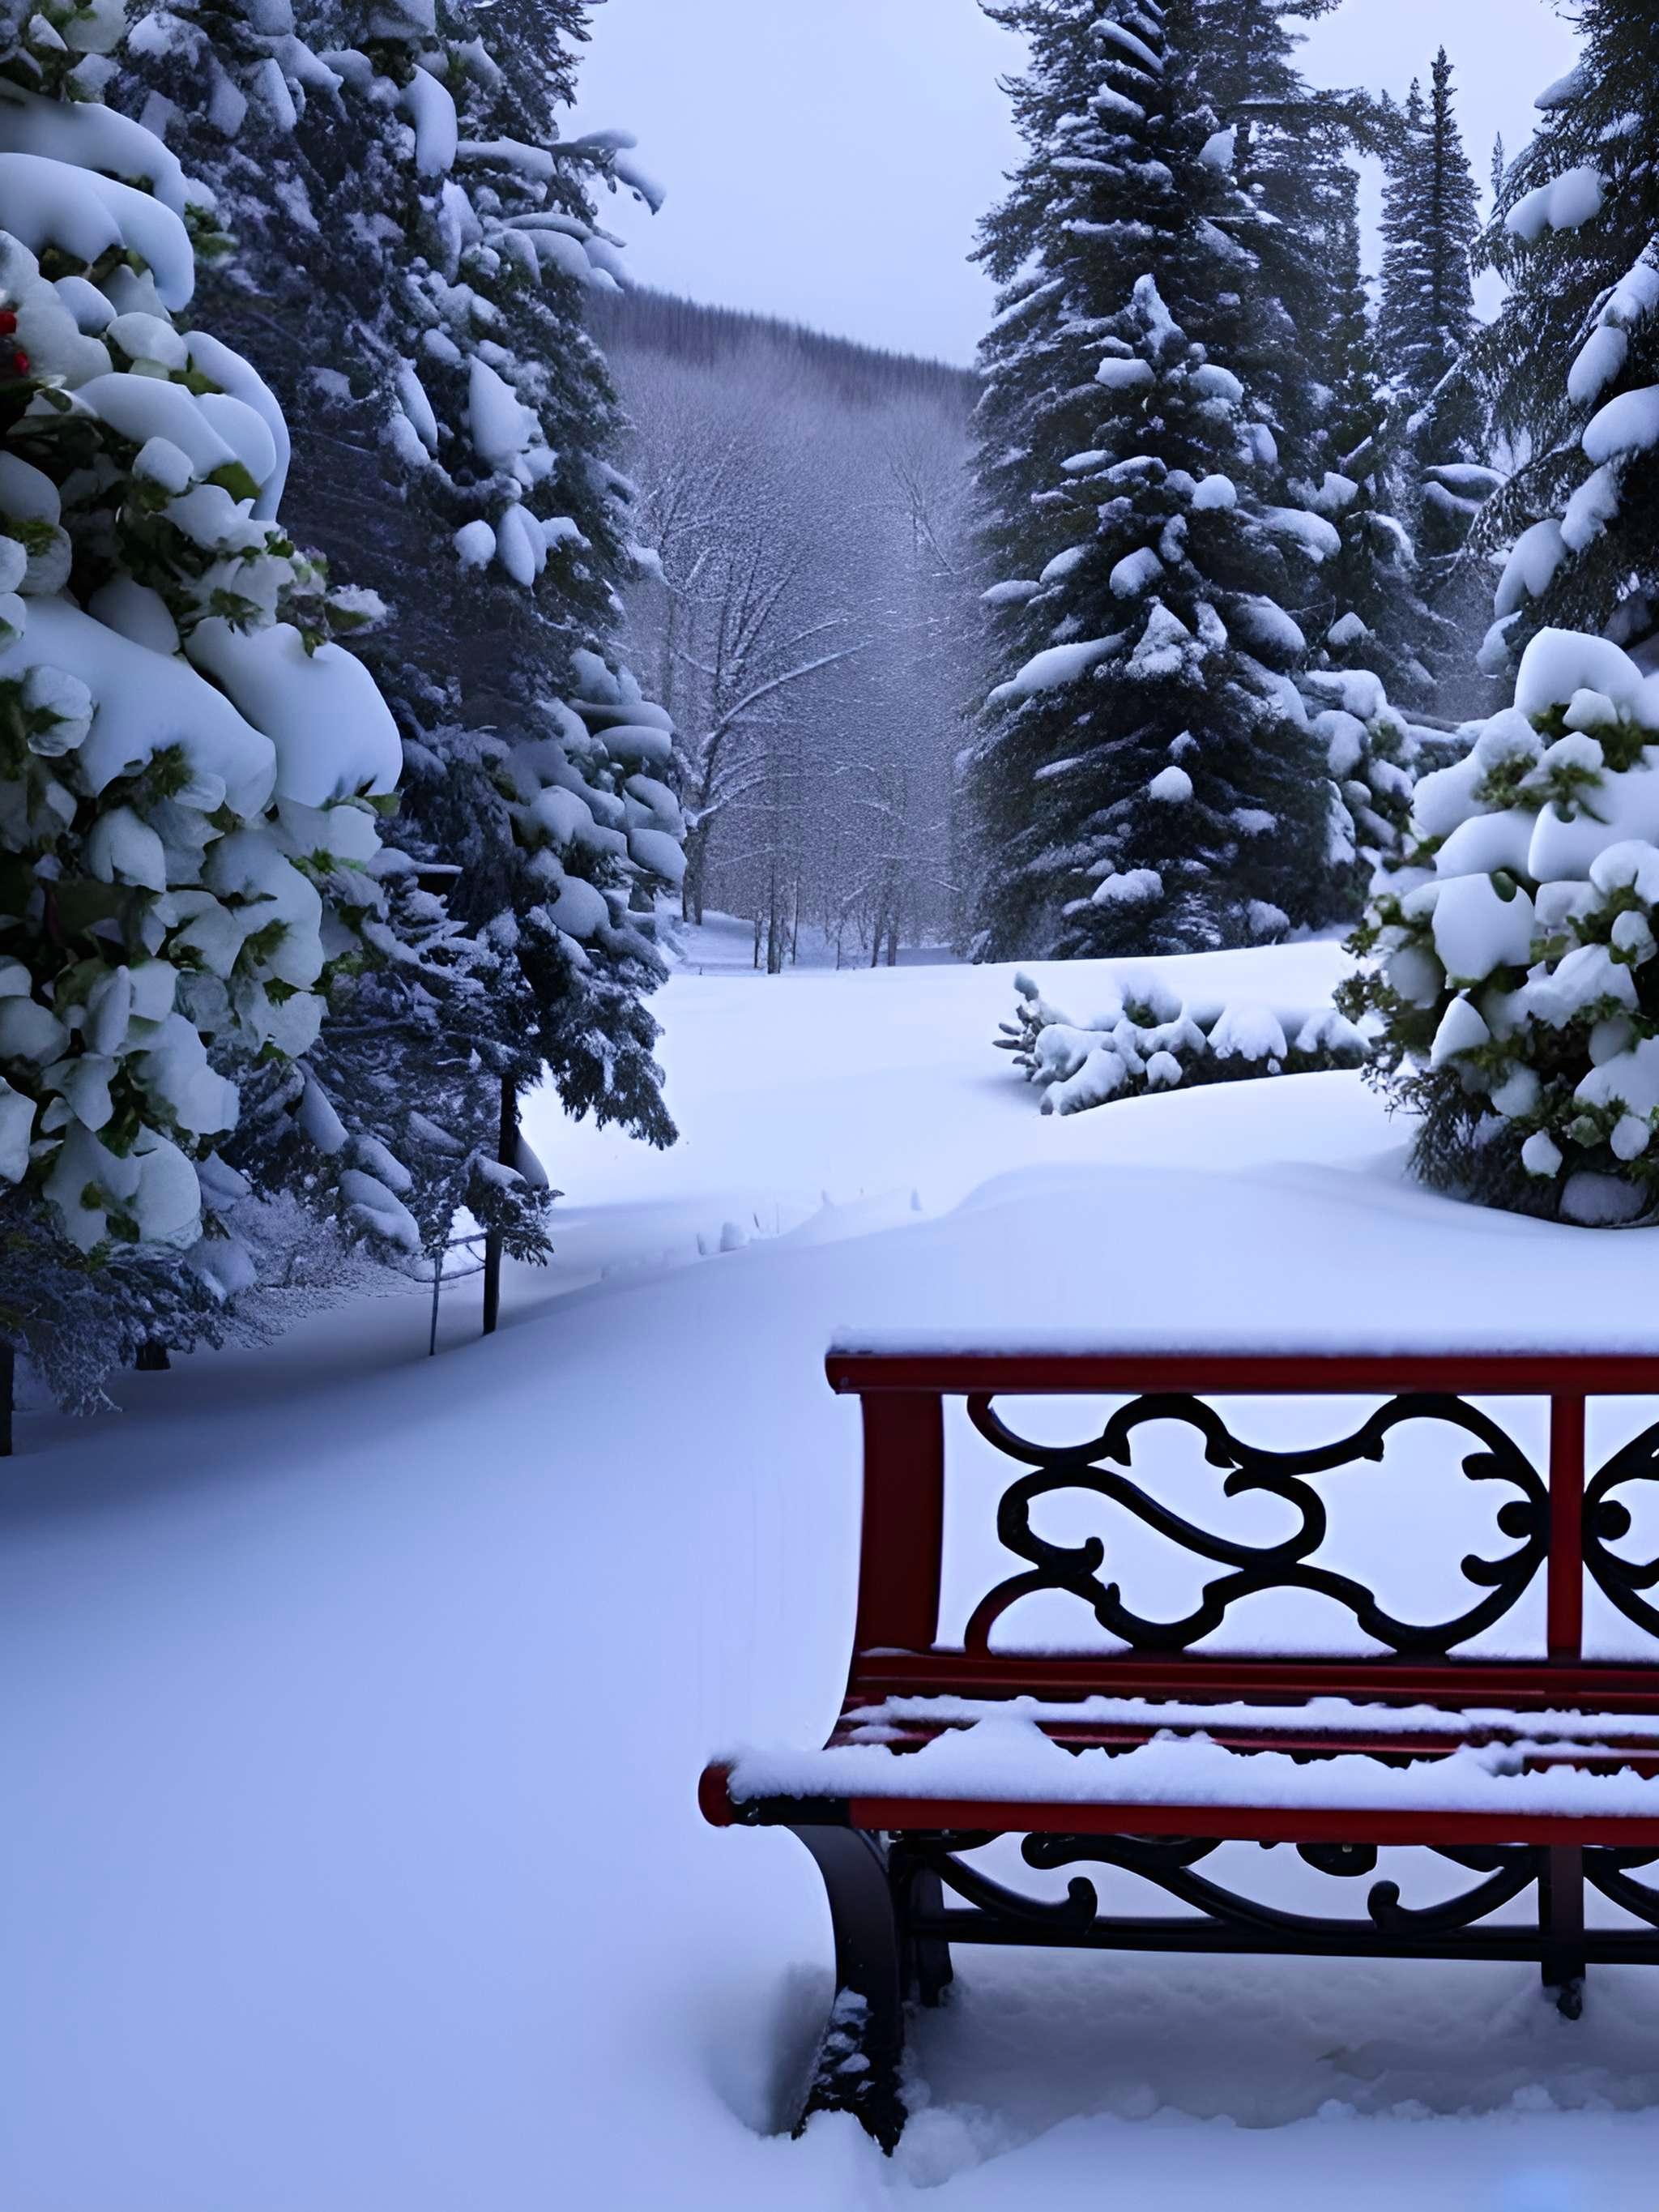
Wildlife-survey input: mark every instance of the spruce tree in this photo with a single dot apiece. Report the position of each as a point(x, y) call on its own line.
point(1450, 433)
point(1400, 323)
point(1290, 146)
point(402, 219)
point(1145, 778)
point(1307, 351)
point(1572, 362)
point(1370, 613)
point(1427, 326)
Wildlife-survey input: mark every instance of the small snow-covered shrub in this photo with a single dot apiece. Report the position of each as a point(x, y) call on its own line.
point(1146, 1038)
point(1513, 966)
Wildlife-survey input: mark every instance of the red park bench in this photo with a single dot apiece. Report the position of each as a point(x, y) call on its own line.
point(1534, 1774)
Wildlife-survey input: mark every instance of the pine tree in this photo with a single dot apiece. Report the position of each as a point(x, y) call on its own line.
point(419, 270)
point(1368, 614)
point(1290, 146)
point(1144, 780)
point(1315, 365)
point(1572, 362)
point(191, 875)
point(1427, 326)
point(1450, 433)
point(1371, 614)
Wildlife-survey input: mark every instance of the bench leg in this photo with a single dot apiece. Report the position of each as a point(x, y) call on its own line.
point(1561, 1925)
point(858, 2059)
point(927, 1969)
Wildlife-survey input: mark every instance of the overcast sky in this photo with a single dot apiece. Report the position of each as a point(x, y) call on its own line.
point(826, 159)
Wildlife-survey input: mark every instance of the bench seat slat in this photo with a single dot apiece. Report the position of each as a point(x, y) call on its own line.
point(1608, 1686)
point(1383, 1824)
point(1385, 1821)
point(1609, 1755)
point(1322, 1724)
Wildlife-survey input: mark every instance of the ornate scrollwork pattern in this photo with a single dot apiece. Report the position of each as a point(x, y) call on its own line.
point(1607, 1520)
point(1255, 1567)
point(1608, 1870)
point(1168, 1863)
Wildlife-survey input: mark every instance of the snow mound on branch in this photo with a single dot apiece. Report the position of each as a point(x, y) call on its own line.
point(145, 701)
point(333, 733)
point(1566, 203)
point(1058, 665)
point(45, 203)
point(1627, 424)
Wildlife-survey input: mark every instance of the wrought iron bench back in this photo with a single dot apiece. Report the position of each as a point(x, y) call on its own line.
point(1560, 1526)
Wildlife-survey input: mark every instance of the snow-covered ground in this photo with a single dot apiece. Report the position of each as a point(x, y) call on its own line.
point(355, 1701)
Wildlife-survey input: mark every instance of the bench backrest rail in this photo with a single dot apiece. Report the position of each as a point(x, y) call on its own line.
point(1560, 1524)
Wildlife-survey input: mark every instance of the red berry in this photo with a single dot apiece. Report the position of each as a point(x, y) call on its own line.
point(8, 322)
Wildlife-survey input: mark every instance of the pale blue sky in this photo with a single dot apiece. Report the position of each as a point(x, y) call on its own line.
point(826, 159)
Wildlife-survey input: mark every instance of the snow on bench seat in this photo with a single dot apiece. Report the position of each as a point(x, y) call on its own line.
point(1331, 1723)
point(1506, 1787)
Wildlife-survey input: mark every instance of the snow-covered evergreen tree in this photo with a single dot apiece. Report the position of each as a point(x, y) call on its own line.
point(1426, 327)
point(192, 873)
point(1367, 612)
point(1314, 363)
point(1290, 146)
point(1370, 612)
point(1144, 778)
point(1516, 975)
point(1572, 362)
point(1403, 337)
point(406, 225)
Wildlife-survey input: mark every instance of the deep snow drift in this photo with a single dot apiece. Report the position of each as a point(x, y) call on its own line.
point(356, 1701)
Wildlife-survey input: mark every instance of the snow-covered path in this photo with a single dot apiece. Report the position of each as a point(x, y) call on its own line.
point(356, 1701)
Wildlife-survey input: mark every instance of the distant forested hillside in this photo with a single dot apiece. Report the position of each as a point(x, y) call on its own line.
point(809, 618)
point(643, 321)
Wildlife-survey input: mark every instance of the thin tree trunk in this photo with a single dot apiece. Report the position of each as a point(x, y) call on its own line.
point(697, 873)
point(508, 1155)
